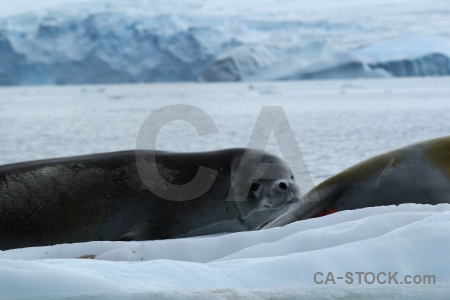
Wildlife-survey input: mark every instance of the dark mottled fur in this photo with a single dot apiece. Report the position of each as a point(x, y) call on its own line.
point(102, 197)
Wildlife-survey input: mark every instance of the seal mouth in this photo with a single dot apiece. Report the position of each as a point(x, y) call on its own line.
point(290, 201)
point(272, 207)
point(293, 200)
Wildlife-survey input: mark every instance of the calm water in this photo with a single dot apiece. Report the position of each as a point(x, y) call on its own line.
point(336, 123)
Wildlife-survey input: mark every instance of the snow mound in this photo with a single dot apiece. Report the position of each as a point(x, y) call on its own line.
point(410, 239)
point(154, 41)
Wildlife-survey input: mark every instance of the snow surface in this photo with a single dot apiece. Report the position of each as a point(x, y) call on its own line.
point(337, 123)
point(409, 239)
point(60, 42)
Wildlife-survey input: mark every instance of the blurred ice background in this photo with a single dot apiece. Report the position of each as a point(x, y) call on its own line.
point(112, 41)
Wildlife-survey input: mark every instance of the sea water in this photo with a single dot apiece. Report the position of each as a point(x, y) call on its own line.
point(336, 123)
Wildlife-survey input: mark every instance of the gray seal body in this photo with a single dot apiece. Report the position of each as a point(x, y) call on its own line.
point(103, 197)
point(418, 173)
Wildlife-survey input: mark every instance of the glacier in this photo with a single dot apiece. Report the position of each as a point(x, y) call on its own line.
point(155, 41)
point(317, 60)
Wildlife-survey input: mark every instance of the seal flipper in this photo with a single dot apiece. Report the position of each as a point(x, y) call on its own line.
point(214, 228)
point(135, 235)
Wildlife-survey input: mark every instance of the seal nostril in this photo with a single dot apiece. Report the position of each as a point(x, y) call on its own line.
point(282, 185)
point(255, 186)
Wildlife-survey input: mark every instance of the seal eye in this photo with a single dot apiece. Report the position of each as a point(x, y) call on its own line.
point(255, 186)
point(292, 177)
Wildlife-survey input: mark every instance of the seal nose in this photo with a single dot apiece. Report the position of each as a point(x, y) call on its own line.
point(288, 187)
point(283, 185)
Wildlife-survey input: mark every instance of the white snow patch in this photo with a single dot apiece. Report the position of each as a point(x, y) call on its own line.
point(410, 239)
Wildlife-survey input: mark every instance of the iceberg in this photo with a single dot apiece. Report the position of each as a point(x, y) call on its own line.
point(410, 56)
point(317, 60)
